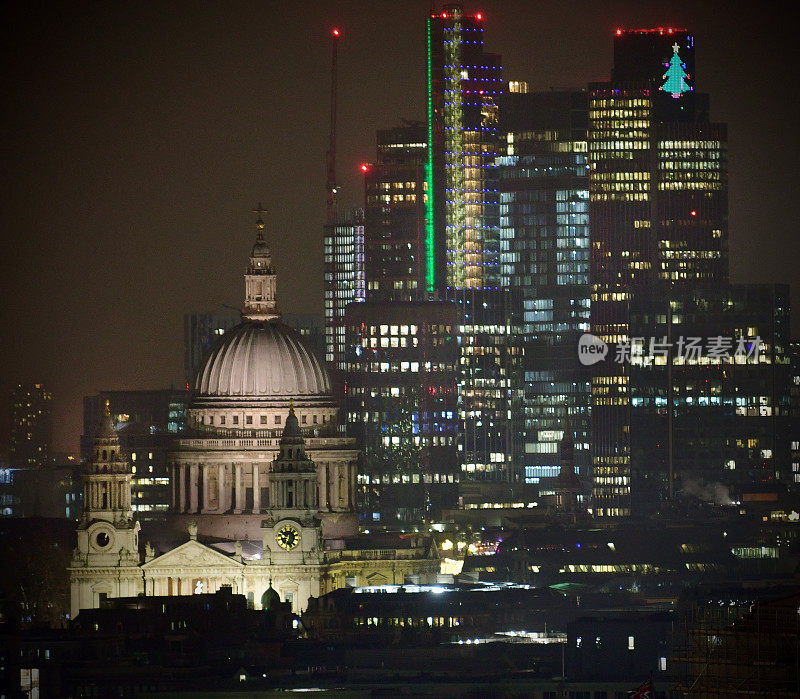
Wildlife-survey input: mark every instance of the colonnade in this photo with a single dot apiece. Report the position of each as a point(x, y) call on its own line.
point(192, 492)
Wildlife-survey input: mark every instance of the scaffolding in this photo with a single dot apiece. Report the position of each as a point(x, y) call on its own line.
point(731, 649)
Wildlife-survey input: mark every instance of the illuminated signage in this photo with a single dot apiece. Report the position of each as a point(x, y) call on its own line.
point(676, 75)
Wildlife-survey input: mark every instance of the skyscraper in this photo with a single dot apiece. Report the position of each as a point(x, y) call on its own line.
point(544, 230)
point(710, 398)
point(464, 87)
point(401, 364)
point(658, 217)
point(31, 426)
point(401, 406)
point(344, 282)
point(394, 221)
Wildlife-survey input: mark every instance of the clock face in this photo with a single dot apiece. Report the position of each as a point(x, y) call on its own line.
point(287, 537)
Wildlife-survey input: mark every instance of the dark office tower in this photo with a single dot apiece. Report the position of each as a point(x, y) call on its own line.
point(658, 213)
point(344, 282)
point(401, 405)
point(31, 426)
point(464, 87)
point(544, 238)
point(490, 380)
point(394, 215)
point(200, 331)
point(724, 365)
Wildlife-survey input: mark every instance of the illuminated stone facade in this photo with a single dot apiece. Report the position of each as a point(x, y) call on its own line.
point(260, 510)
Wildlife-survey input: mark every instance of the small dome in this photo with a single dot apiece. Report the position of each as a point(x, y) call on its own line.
point(292, 428)
point(265, 360)
point(270, 598)
point(260, 248)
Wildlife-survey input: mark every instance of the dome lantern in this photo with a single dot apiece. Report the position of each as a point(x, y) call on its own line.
point(260, 278)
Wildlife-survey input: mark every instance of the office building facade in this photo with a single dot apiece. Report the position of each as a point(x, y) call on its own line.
point(721, 358)
point(394, 215)
point(544, 229)
point(658, 218)
point(31, 426)
point(401, 406)
point(344, 282)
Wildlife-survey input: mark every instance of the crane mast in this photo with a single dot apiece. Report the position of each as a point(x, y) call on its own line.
point(330, 157)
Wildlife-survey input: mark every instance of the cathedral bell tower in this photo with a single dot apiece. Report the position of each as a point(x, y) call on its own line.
point(292, 532)
point(260, 279)
point(108, 536)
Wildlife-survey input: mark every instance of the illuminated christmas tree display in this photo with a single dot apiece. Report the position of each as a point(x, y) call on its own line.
point(676, 75)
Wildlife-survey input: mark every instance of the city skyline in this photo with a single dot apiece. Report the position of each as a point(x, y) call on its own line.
point(143, 141)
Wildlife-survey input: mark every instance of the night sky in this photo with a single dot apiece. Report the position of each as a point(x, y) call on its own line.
point(138, 137)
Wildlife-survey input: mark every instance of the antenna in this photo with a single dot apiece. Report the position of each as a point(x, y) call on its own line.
point(330, 157)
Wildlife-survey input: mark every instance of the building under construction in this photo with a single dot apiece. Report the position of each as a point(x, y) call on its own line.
point(732, 649)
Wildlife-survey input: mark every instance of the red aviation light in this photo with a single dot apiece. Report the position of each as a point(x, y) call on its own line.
point(336, 32)
point(444, 15)
point(693, 212)
point(619, 32)
point(479, 16)
point(364, 167)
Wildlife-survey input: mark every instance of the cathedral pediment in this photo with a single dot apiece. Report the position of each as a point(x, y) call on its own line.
point(191, 554)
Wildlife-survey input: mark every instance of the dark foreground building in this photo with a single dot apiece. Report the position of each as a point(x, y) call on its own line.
point(739, 643)
point(136, 645)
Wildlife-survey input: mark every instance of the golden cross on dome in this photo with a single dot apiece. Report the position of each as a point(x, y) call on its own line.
point(260, 211)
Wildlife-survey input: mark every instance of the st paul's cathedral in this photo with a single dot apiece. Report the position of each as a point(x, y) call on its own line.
point(263, 486)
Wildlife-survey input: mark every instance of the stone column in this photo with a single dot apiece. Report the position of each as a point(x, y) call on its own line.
point(221, 495)
point(194, 477)
point(205, 468)
point(237, 475)
point(353, 484)
point(256, 490)
point(334, 488)
point(181, 486)
point(322, 482)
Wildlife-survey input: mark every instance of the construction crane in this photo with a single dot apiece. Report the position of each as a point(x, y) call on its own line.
point(330, 157)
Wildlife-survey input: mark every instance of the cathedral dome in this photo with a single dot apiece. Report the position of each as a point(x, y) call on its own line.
point(263, 360)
